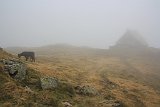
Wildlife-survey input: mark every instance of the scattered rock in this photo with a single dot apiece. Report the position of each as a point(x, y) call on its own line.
point(49, 82)
point(14, 68)
point(109, 97)
point(86, 90)
point(109, 84)
point(21, 71)
point(66, 104)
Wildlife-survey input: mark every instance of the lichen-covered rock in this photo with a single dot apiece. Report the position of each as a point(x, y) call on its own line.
point(15, 69)
point(86, 90)
point(49, 82)
point(21, 68)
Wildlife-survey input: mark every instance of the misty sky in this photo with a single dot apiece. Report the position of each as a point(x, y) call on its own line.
point(94, 23)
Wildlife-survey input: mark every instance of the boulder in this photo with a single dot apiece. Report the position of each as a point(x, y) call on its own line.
point(49, 82)
point(20, 69)
point(86, 90)
point(15, 69)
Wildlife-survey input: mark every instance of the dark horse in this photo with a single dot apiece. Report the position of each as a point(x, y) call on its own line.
point(28, 55)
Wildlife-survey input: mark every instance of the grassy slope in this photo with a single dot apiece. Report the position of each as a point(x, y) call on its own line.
point(14, 93)
point(86, 70)
point(134, 76)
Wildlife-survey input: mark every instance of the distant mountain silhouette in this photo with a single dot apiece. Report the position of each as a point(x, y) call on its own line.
point(131, 39)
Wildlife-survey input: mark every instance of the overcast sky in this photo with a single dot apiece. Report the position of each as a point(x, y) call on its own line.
point(94, 23)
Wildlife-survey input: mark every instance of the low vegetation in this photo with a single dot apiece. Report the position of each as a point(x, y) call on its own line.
point(84, 80)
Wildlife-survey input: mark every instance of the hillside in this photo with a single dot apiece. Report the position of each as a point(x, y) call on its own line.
point(141, 63)
point(126, 75)
point(120, 79)
point(21, 86)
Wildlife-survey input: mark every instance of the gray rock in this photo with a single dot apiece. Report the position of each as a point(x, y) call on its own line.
point(15, 69)
point(21, 68)
point(7, 62)
point(49, 82)
point(66, 104)
point(86, 90)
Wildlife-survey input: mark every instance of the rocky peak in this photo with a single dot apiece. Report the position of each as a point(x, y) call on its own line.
point(131, 39)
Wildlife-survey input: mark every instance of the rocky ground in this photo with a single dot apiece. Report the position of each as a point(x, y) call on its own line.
point(23, 85)
point(70, 82)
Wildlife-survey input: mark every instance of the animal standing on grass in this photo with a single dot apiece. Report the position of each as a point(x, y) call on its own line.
point(28, 55)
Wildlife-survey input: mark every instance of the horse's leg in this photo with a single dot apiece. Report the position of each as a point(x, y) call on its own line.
point(26, 58)
point(30, 59)
point(33, 59)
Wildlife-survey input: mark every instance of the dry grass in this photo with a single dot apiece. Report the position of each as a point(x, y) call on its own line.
point(5, 55)
point(130, 81)
point(89, 71)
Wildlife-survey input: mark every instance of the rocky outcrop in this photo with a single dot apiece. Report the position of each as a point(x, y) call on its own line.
point(131, 40)
point(86, 90)
point(49, 82)
point(14, 68)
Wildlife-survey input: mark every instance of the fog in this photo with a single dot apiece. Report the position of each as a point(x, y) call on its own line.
point(93, 23)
